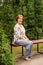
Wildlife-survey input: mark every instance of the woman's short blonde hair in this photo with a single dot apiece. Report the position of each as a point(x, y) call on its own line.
point(18, 16)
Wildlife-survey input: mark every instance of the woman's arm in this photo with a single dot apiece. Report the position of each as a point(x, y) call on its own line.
point(19, 35)
point(25, 37)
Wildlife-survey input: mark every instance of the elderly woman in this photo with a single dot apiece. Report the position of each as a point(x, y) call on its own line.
point(21, 38)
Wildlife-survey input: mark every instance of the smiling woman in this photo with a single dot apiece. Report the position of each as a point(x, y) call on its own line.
point(21, 38)
point(1, 2)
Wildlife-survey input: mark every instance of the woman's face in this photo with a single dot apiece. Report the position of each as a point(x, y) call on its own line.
point(20, 20)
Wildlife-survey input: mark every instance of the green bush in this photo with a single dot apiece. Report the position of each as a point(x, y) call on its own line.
point(6, 58)
point(32, 11)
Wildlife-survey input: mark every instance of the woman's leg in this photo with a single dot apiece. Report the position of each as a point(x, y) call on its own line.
point(29, 50)
point(27, 45)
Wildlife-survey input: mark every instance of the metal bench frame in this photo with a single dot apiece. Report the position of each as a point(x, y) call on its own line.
point(38, 50)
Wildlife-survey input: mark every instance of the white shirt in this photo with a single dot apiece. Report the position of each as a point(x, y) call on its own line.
point(18, 31)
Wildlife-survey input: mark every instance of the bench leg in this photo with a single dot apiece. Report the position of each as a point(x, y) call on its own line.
point(38, 49)
point(22, 51)
point(11, 49)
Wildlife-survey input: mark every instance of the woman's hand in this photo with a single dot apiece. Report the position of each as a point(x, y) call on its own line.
point(24, 37)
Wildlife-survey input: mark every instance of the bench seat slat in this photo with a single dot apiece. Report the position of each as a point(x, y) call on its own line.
point(15, 45)
point(34, 42)
point(37, 41)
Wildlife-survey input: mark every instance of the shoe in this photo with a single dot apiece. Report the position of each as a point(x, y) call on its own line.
point(27, 59)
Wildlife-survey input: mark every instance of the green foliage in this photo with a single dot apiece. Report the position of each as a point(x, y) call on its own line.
point(32, 11)
point(6, 58)
point(7, 18)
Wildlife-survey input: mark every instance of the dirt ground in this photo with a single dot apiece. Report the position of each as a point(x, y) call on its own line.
point(37, 59)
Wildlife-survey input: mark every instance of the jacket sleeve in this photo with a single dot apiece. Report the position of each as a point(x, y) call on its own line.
point(17, 32)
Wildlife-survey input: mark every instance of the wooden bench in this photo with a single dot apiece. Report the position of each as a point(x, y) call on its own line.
point(34, 42)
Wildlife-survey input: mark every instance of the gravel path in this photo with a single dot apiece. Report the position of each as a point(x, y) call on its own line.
point(36, 60)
